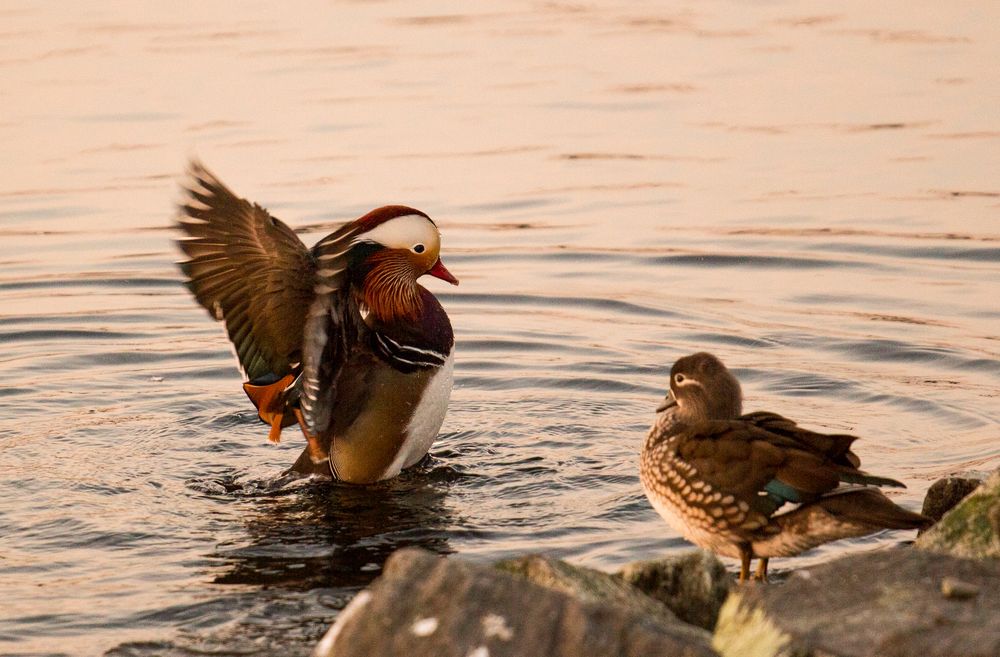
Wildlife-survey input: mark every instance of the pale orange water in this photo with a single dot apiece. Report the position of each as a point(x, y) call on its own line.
point(810, 191)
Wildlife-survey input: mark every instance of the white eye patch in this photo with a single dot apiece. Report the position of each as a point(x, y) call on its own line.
point(682, 381)
point(403, 232)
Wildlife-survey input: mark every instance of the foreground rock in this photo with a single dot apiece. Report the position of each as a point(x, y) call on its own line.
point(945, 494)
point(692, 585)
point(887, 604)
point(587, 585)
point(971, 529)
point(427, 606)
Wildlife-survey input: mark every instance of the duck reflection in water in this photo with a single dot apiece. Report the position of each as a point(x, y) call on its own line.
point(319, 535)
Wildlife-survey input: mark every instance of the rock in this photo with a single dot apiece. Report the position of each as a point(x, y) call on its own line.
point(586, 584)
point(945, 493)
point(970, 529)
point(885, 604)
point(956, 589)
point(428, 606)
point(692, 585)
point(993, 517)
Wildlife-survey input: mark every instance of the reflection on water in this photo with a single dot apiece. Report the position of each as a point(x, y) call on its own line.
point(304, 549)
point(291, 535)
point(809, 193)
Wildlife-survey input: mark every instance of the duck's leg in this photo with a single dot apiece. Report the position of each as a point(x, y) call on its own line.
point(744, 563)
point(317, 453)
point(761, 574)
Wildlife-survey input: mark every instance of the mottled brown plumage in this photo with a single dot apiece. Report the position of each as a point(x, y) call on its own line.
point(720, 477)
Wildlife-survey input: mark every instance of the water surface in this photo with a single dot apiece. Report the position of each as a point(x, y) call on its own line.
point(809, 192)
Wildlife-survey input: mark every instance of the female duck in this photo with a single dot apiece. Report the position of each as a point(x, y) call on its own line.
point(719, 477)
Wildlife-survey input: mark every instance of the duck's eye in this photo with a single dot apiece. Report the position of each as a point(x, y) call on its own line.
point(418, 248)
point(679, 378)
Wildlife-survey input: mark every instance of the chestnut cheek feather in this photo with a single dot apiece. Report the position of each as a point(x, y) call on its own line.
point(390, 288)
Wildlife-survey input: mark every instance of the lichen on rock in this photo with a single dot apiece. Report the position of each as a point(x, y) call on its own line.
point(887, 604)
point(972, 528)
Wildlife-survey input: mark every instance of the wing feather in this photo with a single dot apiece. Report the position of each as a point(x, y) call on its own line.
point(247, 269)
point(333, 325)
point(764, 468)
point(836, 446)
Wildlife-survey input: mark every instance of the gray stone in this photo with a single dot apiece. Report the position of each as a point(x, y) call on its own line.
point(428, 606)
point(971, 529)
point(956, 589)
point(945, 493)
point(692, 585)
point(586, 584)
point(885, 604)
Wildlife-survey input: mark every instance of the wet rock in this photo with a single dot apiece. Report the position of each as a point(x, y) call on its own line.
point(888, 604)
point(586, 584)
point(945, 493)
point(692, 585)
point(972, 528)
point(425, 605)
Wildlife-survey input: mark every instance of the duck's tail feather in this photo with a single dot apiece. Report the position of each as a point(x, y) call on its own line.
point(871, 507)
point(846, 513)
point(850, 476)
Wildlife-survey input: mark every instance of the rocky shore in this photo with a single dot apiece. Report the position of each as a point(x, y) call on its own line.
point(939, 598)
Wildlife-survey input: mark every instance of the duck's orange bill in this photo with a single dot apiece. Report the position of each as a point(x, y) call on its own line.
point(440, 271)
point(270, 403)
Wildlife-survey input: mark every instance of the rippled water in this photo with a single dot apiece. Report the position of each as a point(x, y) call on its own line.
point(809, 192)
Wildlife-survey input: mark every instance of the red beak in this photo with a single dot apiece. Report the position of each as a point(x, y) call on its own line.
point(440, 271)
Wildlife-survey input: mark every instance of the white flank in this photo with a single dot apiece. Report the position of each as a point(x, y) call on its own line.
point(427, 419)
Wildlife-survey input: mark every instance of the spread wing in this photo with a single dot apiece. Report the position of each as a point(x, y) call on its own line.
point(249, 270)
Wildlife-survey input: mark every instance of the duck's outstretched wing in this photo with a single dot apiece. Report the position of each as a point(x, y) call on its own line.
point(248, 270)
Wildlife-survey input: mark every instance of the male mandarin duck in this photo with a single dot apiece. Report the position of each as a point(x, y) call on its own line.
point(339, 338)
point(719, 477)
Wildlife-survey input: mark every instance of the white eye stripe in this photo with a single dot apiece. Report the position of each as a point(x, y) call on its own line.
point(402, 233)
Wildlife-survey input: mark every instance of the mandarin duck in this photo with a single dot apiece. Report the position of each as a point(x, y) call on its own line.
point(755, 485)
point(340, 338)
